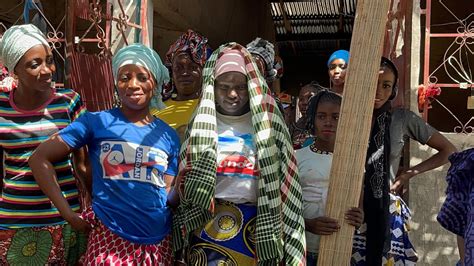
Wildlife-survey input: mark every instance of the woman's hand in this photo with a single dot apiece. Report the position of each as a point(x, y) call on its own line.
point(400, 182)
point(78, 223)
point(322, 225)
point(354, 216)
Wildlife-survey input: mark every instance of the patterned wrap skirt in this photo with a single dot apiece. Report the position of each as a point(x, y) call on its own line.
point(46, 245)
point(106, 248)
point(228, 239)
point(401, 250)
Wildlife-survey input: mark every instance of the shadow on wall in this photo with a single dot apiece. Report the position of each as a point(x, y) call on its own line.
point(435, 245)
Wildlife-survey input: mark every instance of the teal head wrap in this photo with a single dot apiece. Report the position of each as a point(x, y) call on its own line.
point(141, 55)
point(16, 41)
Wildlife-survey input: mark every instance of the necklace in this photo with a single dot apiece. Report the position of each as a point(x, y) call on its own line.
point(313, 148)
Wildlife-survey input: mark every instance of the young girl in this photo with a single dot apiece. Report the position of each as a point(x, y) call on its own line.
point(299, 133)
point(314, 165)
point(337, 65)
point(134, 159)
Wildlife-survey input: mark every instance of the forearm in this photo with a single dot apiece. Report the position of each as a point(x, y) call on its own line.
point(45, 176)
point(460, 241)
point(83, 169)
point(173, 198)
point(172, 188)
point(433, 162)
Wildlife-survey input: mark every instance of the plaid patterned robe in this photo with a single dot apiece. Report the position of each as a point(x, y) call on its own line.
point(280, 225)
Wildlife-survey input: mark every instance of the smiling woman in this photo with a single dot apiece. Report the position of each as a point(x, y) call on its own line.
point(135, 86)
point(134, 160)
point(36, 234)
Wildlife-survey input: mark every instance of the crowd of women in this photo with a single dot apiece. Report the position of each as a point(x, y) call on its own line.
point(206, 171)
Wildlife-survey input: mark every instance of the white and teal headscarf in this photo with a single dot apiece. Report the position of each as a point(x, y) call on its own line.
point(141, 55)
point(16, 41)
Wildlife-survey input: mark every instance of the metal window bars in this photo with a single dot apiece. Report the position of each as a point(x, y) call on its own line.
point(455, 62)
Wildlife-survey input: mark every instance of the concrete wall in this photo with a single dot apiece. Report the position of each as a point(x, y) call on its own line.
point(220, 21)
point(435, 245)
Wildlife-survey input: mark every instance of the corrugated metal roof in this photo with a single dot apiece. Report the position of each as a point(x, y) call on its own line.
point(311, 26)
point(312, 17)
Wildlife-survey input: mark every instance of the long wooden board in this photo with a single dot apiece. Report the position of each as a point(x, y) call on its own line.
point(347, 171)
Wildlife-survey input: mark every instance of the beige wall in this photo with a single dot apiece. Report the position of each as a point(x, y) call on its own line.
point(435, 245)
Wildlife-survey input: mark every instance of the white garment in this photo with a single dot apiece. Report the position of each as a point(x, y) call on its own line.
point(314, 168)
point(236, 159)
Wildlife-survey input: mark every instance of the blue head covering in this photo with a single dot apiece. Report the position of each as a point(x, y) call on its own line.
point(339, 54)
point(17, 40)
point(141, 55)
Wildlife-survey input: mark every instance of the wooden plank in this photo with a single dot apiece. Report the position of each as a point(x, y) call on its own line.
point(347, 171)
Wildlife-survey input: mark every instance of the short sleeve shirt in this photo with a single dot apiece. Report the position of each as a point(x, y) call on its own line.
point(22, 203)
point(406, 125)
point(128, 163)
point(237, 169)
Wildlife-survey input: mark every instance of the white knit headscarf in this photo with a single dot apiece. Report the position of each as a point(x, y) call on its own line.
point(16, 41)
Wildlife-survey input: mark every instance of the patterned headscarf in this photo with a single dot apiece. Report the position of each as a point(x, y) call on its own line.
point(192, 43)
point(141, 55)
point(266, 51)
point(280, 224)
point(16, 41)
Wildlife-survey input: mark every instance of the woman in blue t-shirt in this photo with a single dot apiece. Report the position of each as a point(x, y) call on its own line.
point(134, 159)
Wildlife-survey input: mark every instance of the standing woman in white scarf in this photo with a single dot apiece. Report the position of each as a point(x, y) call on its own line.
point(33, 231)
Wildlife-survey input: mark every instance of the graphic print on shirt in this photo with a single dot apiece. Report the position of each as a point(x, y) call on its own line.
point(236, 156)
point(132, 162)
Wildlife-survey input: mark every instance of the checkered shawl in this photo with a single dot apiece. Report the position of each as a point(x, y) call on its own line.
point(266, 50)
point(280, 225)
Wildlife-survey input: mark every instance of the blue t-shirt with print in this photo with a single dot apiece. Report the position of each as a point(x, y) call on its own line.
point(128, 165)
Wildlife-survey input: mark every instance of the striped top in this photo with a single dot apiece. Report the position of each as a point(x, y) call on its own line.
point(22, 203)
